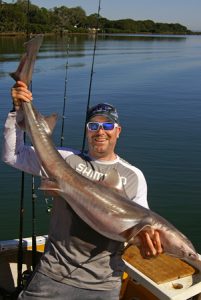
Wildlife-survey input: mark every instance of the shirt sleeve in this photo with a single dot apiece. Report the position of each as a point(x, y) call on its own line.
point(14, 152)
point(18, 155)
point(141, 196)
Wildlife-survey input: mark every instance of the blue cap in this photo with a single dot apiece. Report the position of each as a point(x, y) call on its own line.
point(103, 109)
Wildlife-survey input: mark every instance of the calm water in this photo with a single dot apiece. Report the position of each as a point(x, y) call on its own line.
point(155, 82)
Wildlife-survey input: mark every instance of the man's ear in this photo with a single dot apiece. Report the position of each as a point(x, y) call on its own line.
point(119, 131)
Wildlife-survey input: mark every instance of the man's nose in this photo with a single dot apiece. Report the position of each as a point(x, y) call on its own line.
point(100, 130)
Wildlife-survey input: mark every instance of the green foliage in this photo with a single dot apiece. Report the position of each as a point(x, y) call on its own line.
point(22, 16)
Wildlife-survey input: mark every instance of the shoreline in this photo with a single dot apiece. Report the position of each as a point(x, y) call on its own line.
point(16, 34)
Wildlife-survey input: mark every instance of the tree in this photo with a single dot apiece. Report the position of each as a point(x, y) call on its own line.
point(77, 16)
point(92, 21)
point(23, 15)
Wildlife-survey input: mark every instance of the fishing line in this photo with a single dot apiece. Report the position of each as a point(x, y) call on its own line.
point(91, 75)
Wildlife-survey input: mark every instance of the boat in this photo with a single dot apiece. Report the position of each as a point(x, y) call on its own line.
point(160, 278)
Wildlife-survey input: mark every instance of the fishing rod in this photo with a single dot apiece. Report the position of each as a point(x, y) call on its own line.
point(28, 18)
point(21, 227)
point(34, 197)
point(49, 204)
point(65, 94)
point(91, 74)
point(20, 279)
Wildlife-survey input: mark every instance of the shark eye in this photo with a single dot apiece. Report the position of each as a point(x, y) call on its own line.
point(192, 255)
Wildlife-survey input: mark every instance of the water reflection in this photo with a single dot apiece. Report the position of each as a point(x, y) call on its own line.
point(143, 37)
point(79, 46)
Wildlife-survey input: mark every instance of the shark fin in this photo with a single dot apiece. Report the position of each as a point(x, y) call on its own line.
point(51, 122)
point(113, 180)
point(131, 233)
point(50, 187)
point(47, 122)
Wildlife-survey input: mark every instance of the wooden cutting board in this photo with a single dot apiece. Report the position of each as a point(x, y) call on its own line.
point(160, 269)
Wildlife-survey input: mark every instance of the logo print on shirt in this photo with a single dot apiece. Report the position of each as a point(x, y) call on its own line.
point(94, 175)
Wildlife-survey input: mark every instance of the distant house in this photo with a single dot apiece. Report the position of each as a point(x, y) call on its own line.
point(93, 29)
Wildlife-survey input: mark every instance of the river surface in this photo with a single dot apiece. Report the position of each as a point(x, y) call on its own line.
point(155, 83)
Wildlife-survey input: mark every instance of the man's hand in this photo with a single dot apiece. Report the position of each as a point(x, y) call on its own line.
point(20, 93)
point(150, 243)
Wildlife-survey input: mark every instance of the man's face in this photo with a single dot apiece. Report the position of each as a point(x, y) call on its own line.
point(102, 142)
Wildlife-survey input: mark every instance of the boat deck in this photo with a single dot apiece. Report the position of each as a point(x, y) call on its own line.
point(160, 278)
point(164, 277)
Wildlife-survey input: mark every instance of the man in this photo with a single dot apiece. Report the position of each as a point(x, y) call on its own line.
point(78, 262)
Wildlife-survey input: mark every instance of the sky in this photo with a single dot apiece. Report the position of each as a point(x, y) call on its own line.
point(185, 12)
